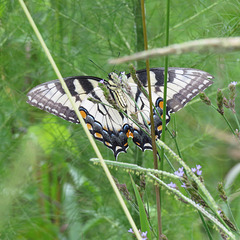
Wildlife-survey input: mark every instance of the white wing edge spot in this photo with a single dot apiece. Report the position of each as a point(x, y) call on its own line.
point(183, 101)
point(118, 148)
point(194, 90)
point(51, 85)
point(62, 115)
point(54, 111)
point(205, 81)
point(147, 145)
point(179, 71)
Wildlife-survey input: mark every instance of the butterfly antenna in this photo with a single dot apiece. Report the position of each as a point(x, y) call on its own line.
point(97, 65)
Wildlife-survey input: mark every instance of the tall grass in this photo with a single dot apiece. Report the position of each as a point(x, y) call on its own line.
point(49, 189)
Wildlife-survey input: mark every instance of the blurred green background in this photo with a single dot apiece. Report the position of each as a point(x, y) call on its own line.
point(48, 187)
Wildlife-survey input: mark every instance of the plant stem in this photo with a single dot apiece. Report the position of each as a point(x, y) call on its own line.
point(90, 138)
point(154, 148)
point(197, 206)
point(139, 31)
point(164, 95)
point(237, 121)
point(228, 123)
point(201, 45)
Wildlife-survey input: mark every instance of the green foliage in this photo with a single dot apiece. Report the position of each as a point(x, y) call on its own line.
point(49, 189)
point(142, 213)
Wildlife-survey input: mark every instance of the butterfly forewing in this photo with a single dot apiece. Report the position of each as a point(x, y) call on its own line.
point(114, 126)
point(183, 84)
point(51, 97)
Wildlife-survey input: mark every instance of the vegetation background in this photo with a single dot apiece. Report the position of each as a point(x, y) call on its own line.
point(48, 187)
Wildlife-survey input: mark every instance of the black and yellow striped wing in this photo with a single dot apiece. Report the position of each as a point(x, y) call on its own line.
point(183, 84)
point(107, 123)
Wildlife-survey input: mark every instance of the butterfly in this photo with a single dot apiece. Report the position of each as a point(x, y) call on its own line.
point(117, 109)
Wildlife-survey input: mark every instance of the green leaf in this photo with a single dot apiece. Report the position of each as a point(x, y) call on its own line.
point(142, 213)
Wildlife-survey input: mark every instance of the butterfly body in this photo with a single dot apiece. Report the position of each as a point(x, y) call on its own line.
point(117, 109)
point(116, 89)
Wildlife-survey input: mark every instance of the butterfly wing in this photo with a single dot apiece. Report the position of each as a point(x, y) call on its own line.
point(104, 122)
point(107, 124)
point(51, 97)
point(183, 84)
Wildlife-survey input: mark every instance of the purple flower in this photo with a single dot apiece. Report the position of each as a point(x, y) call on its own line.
point(101, 81)
point(184, 185)
point(144, 235)
point(180, 172)
point(234, 83)
point(172, 185)
point(219, 211)
point(197, 170)
point(193, 170)
point(198, 167)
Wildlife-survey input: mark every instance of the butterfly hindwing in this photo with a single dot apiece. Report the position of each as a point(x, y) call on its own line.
point(105, 123)
point(114, 128)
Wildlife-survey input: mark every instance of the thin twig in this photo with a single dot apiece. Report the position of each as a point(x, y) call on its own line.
point(202, 45)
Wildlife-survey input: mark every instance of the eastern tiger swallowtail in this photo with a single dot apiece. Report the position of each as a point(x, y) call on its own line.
point(109, 124)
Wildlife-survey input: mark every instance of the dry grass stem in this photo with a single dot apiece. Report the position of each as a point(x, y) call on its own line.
point(202, 45)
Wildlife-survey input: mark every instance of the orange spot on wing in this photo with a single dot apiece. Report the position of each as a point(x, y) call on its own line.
point(108, 143)
point(89, 126)
point(129, 134)
point(138, 143)
point(84, 115)
point(161, 104)
point(159, 128)
point(125, 145)
point(98, 135)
